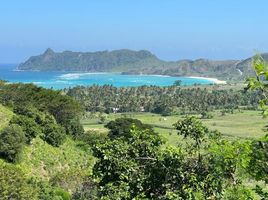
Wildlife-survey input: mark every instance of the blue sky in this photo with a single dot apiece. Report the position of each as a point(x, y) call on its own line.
point(171, 29)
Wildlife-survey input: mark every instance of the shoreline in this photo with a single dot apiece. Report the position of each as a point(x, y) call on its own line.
point(215, 80)
point(69, 74)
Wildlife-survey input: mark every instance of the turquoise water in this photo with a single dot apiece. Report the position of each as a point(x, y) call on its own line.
point(60, 80)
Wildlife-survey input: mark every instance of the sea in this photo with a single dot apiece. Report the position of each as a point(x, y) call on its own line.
point(61, 80)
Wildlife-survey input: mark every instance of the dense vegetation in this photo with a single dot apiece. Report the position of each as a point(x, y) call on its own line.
point(161, 100)
point(137, 62)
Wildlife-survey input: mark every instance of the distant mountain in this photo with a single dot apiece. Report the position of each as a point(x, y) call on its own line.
point(90, 62)
point(136, 62)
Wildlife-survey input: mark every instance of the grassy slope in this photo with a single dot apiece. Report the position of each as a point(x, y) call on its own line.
point(5, 116)
point(44, 161)
point(247, 124)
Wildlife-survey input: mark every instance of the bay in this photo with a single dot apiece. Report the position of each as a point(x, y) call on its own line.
point(60, 80)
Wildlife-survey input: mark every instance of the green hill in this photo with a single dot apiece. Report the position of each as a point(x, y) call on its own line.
point(41, 156)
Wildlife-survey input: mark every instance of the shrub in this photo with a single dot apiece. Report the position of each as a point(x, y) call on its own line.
point(47, 192)
point(93, 137)
point(28, 125)
point(74, 128)
point(12, 140)
point(206, 115)
point(54, 134)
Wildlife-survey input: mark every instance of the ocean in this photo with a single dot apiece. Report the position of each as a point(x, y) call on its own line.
point(60, 80)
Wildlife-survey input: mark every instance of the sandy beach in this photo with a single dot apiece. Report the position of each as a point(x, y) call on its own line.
point(215, 80)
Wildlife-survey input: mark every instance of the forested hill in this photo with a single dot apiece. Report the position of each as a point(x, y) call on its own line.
point(136, 62)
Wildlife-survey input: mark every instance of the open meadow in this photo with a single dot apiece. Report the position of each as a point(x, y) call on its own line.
point(241, 124)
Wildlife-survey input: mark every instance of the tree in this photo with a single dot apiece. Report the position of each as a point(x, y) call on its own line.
point(192, 128)
point(177, 83)
point(121, 127)
point(53, 133)
point(12, 140)
point(28, 125)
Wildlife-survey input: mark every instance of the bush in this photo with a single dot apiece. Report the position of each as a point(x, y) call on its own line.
point(12, 140)
point(74, 128)
point(54, 134)
point(28, 125)
point(206, 115)
point(93, 137)
point(47, 192)
point(88, 190)
point(193, 128)
point(259, 158)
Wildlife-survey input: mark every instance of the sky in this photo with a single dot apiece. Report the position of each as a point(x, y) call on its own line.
point(171, 29)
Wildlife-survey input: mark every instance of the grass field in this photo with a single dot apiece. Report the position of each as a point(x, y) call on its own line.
point(244, 124)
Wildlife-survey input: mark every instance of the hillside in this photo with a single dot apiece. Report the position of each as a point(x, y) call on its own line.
point(135, 62)
point(41, 153)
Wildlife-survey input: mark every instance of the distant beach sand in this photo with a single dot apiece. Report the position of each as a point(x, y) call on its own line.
point(215, 80)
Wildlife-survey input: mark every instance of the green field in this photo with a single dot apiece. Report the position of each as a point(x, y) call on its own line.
point(243, 124)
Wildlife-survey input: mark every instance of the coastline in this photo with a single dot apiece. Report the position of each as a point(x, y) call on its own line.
point(77, 74)
point(215, 80)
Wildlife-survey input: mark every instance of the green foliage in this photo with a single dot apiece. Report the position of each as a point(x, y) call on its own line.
point(93, 137)
point(123, 162)
point(206, 115)
point(54, 134)
point(5, 116)
point(229, 158)
point(260, 191)
point(14, 184)
point(121, 127)
point(12, 141)
point(63, 194)
point(47, 192)
point(28, 99)
point(28, 125)
point(259, 158)
point(259, 82)
point(238, 192)
point(191, 127)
